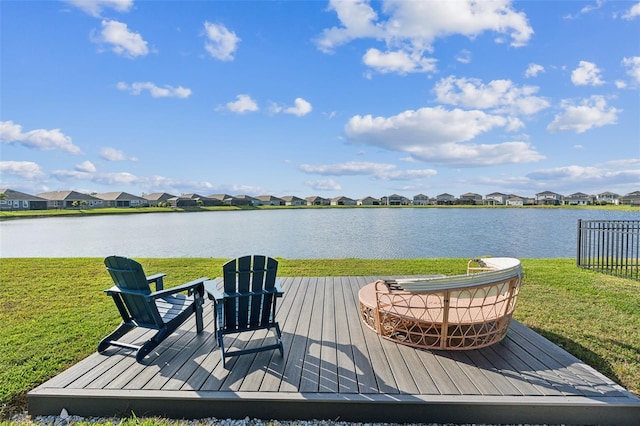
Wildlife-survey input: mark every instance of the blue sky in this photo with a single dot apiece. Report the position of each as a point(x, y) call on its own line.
point(326, 98)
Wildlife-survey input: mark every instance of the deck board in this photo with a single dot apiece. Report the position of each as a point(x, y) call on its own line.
point(336, 367)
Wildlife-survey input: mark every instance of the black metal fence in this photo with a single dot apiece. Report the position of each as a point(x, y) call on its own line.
point(610, 246)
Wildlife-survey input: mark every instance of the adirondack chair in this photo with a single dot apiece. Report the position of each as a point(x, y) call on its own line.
point(247, 302)
point(162, 310)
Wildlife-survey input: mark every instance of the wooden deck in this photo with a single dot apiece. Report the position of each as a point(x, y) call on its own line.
point(336, 368)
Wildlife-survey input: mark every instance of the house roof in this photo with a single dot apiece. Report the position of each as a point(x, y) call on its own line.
point(113, 196)
point(67, 196)
point(316, 198)
point(221, 197)
point(268, 198)
point(291, 198)
point(11, 194)
point(547, 193)
point(156, 196)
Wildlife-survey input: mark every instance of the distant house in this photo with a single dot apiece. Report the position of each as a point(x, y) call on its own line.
point(631, 199)
point(420, 200)
point(578, 199)
point(368, 201)
point(70, 199)
point(229, 200)
point(470, 198)
point(445, 199)
point(343, 201)
point(292, 200)
point(317, 201)
point(496, 198)
point(121, 199)
point(182, 201)
point(157, 198)
point(514, 200)
point(548, 198)
point(203, 201)
point(246, 200)
point(269, 200)
point(395, 200)
point(608, 198)
point(16, 200)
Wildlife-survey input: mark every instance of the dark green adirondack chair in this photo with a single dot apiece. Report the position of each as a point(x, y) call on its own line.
point(248, 301)
point(162, 310)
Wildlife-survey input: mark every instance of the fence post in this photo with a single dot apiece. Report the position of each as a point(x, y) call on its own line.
point(579, 239)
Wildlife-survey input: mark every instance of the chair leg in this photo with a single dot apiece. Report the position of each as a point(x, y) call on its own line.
point(221, 344)
point(152, 343)
point(120, 331)
point(198, 311)
point(280, 345)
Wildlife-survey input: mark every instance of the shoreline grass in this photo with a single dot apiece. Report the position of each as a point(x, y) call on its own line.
point(54, 311)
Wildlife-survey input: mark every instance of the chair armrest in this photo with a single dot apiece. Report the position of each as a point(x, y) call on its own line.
point(116, 290)
point(218, 296)
point(190, 286)
point(158, 279)
point(278, 287)
point(212, 291)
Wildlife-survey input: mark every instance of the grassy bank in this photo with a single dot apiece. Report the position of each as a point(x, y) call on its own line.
point(54, 311)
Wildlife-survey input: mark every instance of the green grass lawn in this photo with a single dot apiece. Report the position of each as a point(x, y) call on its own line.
point(54, 311)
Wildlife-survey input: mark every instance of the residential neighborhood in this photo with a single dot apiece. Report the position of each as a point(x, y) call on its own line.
point(15, 200)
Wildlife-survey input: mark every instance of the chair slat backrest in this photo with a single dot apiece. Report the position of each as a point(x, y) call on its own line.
point(245, 279)
point(128, 275)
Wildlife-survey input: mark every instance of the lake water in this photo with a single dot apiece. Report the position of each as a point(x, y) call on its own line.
point(373, 233)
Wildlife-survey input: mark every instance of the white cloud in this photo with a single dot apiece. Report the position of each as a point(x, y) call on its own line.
point(166, 91)
point(575, 176)
point(221, 43)
point(358, 20)
point(592, 112)
point(41, 139)
point(399, 61)
point(533, 70)
point(86, 166)
point(95, 7)
point(24, 169)
point(438, 135)
point(324, 185)
point(300, 109)
point(243, 104)
point(633, 67)
point(498, 95)
point(112, 154)
point(123, 42)
point(632, 13)
point(410, 28)
point(377, 170)
point(587, 74)
point(464, 57)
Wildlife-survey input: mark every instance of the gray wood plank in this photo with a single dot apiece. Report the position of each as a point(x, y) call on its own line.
point(364, 367)
point(292, 373)
point(347, 382)
point(461, 381)
point(385, 379)
point(311, 368)
point(273, 380)
point(328, 352)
